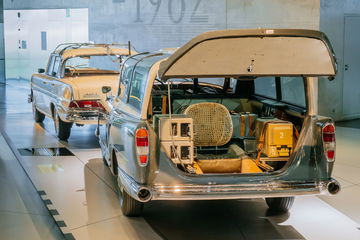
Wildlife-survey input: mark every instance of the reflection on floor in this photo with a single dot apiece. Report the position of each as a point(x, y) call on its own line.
point(83, 192)
point(349, 124)
point(40, 151)
point(23, 214)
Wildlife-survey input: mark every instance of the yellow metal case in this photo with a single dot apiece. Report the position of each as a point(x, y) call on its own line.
point(278, 136)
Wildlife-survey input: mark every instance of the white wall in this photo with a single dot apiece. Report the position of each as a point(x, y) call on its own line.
point(332, 15)
point(61, 26)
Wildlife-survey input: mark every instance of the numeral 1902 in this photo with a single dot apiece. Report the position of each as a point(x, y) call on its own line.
point(175, 15)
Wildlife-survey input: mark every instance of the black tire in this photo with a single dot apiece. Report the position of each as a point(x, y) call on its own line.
point(38, 116)
point(129, 206)
point(281, 204)
point(62, 129)
point(104, 159)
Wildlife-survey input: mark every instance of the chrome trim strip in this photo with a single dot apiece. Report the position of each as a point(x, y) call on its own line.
point(238, 191)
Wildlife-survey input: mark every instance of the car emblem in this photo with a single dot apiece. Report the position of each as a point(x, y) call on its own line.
point(90, 95)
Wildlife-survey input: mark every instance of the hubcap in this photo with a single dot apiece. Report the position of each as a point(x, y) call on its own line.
point(121, 193)
point(121, 197)
point(56, 123)
point(33, 108)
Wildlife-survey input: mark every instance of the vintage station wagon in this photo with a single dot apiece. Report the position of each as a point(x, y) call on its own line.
point(69, 90)
point(232, 114)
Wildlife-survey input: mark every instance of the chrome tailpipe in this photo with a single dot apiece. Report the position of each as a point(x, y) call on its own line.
point(333, 187)
point(144, 194)
point(136, 191)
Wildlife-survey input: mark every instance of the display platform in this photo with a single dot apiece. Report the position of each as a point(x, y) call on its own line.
point(81, 194)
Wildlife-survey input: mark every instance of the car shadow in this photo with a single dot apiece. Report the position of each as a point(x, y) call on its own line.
point(82, 137)
point(214, 219)
point(225, 219)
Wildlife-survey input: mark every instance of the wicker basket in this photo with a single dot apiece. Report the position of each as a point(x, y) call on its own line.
point(212, 124)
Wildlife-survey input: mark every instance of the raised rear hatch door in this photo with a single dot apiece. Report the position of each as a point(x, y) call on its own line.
point(258, 52)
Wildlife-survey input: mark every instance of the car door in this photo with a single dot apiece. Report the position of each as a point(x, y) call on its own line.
point(40, 86)
point(50, 84)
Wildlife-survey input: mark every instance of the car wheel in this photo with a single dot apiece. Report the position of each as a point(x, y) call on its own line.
point(62, 128)
point(129, 206)
point(38, 116)
point(281, 204)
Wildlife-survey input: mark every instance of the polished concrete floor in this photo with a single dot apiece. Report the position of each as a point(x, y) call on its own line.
point(82, 198)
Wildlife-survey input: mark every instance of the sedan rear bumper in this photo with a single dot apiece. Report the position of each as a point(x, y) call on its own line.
point(84, 116)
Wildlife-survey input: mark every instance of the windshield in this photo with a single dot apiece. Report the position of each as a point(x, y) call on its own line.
point(104, 63)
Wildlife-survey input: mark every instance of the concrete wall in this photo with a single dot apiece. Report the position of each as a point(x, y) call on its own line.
point(332, 15)
point(2, 47)
point(44, 4)
point(155, 24)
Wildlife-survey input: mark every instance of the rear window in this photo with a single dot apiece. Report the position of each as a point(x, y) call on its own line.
point(104, 62)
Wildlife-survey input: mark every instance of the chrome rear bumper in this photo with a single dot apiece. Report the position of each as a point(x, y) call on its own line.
point(238, 191)
point(85, 116)
point(227, 191)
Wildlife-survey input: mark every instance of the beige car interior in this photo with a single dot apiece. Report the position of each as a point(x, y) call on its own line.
point(228, 135)
point(213, 127)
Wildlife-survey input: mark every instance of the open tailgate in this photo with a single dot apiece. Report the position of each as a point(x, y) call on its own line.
point(258, 52)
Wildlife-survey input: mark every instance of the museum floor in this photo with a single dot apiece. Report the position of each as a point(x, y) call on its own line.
point(44, 197)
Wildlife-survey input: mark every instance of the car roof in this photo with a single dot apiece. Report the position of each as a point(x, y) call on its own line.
point(85, 49)
point(146, 59)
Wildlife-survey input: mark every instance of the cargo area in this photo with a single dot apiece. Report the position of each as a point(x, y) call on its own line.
point(220, 128)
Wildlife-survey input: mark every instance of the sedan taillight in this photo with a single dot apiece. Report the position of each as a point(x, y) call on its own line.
point(86, 104)
point(142, 145)
point(328, 135)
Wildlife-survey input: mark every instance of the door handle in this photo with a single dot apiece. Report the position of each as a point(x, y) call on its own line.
point(346, 67)
point(44, 82)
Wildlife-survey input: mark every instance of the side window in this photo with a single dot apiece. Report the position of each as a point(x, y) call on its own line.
point(57, 62)
point(50, 66)
point(125, 82)
point(265, 86)
point(138, 87)
point(293, 90)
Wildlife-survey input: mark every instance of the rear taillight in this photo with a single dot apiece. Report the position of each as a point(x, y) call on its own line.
point(328, 135)
point(85, 104)
point(142, 145)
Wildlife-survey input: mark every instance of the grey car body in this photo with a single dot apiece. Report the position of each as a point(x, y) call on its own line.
point(305, 54)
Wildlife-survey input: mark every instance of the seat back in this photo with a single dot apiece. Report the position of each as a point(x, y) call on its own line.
point(212, 124)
